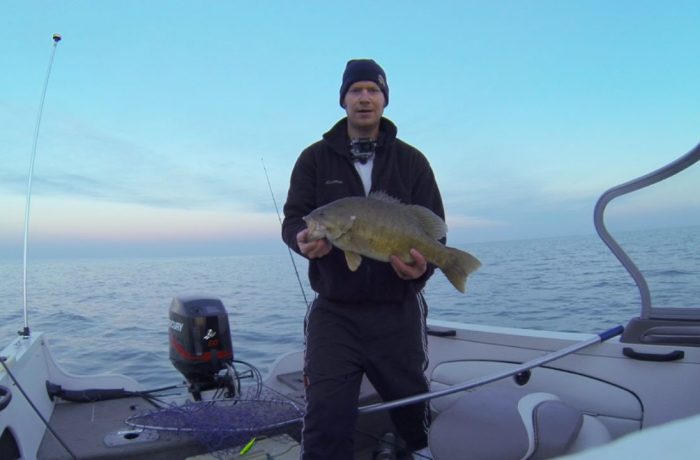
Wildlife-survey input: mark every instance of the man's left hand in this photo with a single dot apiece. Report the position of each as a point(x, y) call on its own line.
point(409, 271)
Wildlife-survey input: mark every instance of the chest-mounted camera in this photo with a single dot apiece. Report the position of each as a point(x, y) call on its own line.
point(362, 149)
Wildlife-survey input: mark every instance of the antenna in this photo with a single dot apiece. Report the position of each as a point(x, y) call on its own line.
point(291, 256)
point(25, 332)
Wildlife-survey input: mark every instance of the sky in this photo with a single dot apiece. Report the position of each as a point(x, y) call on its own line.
point(164, 120)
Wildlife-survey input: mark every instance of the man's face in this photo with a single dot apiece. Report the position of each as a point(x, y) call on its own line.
point(364, 105)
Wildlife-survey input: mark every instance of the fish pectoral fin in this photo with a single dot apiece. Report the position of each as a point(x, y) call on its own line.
point(353, 259)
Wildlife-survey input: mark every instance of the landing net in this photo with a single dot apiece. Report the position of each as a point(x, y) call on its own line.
point(224, 423)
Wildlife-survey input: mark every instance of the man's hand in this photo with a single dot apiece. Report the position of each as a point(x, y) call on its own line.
point(312, 249)
point(412, 271)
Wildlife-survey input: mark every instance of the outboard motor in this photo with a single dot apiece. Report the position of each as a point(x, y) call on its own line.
point(200, 343)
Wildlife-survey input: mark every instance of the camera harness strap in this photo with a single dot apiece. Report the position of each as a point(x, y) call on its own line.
point(362, 153)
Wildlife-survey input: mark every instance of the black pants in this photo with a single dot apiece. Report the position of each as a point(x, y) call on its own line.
point(386, 342)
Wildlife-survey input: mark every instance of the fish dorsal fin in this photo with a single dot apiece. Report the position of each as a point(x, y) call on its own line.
point(433, 225)
point(383, 196)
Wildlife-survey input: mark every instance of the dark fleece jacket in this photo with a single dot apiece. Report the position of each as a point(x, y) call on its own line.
point(324, 172)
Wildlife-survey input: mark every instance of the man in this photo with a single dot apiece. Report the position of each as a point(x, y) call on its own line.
point(371, 321)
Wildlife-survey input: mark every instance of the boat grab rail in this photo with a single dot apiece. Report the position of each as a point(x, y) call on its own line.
point(671, 169)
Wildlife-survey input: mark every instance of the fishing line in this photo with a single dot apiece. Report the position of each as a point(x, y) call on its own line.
point(26, 397)
point(56, 39)
point(291, 256)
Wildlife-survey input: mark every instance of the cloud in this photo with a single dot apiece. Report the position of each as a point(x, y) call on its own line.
point(76, 218)
point(83, 161)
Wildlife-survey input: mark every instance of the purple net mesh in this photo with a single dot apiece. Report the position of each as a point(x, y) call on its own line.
point(224, 423)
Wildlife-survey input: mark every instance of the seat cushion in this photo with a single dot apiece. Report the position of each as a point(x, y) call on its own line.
point(504, 424)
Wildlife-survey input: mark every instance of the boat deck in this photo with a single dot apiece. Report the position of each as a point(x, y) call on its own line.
point(98, 430)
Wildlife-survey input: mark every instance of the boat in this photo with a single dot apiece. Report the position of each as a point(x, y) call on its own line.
point(495, 392)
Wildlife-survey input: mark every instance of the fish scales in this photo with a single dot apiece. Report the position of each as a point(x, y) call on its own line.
point(379, 226)
point(381, 229)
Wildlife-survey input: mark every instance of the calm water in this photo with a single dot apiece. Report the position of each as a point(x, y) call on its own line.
point(110, 315)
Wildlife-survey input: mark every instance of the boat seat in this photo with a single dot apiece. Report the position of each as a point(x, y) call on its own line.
point(512, 424)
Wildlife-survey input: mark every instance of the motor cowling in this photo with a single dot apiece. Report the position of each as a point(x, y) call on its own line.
point(200, 340)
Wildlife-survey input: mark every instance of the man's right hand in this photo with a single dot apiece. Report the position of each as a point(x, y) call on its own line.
point(312, 249)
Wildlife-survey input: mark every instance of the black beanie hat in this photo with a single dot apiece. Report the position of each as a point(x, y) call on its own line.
point(364, 70)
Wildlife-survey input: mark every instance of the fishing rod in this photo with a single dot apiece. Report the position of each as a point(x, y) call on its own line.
point(25, 331)
point(279, 218)
point(542, 360)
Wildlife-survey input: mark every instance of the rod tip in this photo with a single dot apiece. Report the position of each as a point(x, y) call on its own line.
point(56, 38)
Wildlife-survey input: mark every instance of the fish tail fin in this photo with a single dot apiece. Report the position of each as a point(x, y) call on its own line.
point(458, 266)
